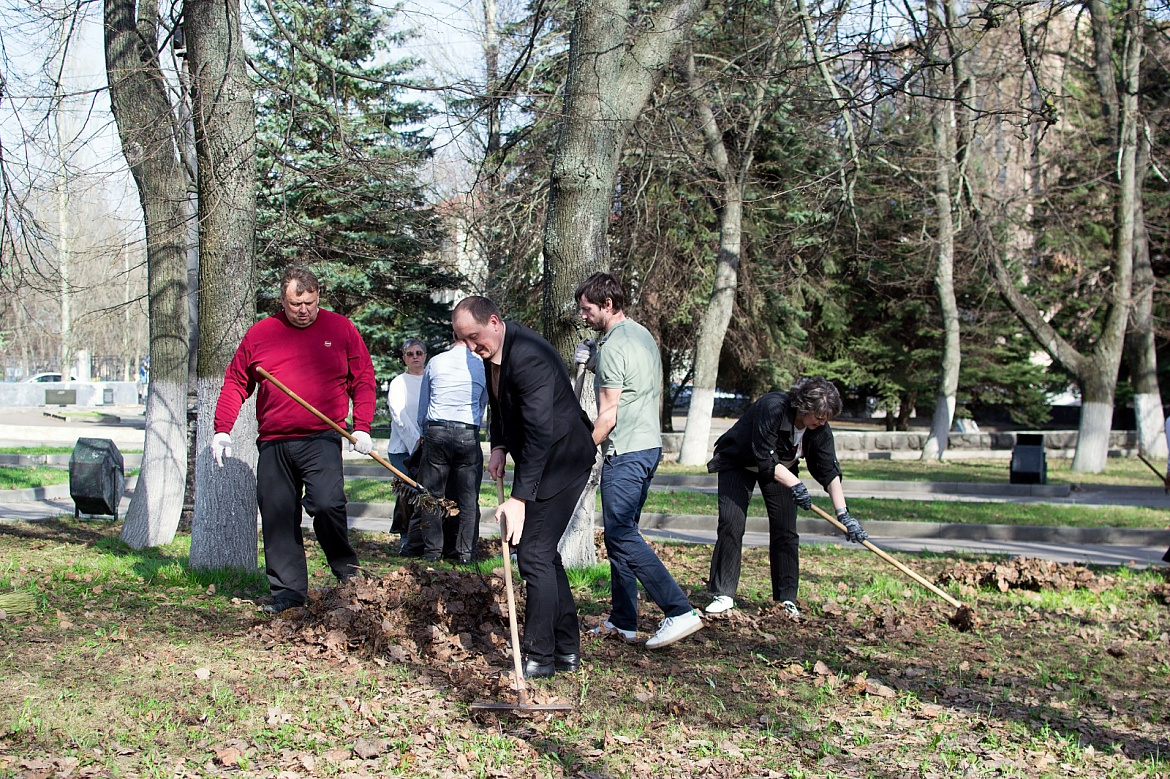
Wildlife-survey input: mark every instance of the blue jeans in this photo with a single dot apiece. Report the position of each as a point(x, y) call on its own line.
point(625, 482)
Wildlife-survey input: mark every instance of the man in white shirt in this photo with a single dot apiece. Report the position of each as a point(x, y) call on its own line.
point(402, 400)
point(452, 399)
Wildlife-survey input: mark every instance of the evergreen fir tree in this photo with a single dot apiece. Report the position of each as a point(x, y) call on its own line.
point(340, 153)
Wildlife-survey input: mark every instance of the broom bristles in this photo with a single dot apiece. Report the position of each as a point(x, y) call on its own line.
point(18, 603)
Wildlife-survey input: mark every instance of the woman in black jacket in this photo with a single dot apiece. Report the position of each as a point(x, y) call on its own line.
point(763, 448)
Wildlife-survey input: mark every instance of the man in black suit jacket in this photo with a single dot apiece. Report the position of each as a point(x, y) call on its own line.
point(535, 417)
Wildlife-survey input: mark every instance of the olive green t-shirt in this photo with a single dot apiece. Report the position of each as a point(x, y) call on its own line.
point(627, 359)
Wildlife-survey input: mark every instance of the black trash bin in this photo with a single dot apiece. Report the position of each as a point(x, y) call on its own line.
point(1029, 463)
point(97, 477)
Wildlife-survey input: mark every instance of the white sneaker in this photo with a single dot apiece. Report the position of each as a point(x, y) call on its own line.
point(674, 629)
point(790, 607)
point(607, 628)
point(721, 604)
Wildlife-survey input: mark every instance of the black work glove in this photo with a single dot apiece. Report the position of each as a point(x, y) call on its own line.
point(801, 497)
point(853, 529)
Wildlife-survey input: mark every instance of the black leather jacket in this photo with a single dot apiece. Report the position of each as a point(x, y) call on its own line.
point(763, 438)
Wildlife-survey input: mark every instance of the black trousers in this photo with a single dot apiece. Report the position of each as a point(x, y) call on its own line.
point(735, 490)
point(287, 470)
point(451, 464)
point(550, 613)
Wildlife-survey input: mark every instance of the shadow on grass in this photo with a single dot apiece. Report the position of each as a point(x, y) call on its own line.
point(165, 567)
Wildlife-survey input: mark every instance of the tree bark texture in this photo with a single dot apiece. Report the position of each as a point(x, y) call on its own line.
point(614, 64)
point(1140, 343)
point(696, 447)
point(143, 113)
point(1096, 372)
point(943, 131)
point(223, 532)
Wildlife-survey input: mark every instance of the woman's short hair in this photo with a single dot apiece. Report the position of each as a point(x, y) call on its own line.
point(409, 342)
point(815, 395)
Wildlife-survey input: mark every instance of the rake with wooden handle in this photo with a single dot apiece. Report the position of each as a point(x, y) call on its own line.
point(523, 703)
point(421, 498)
point(1165, 479)
point(964, 617)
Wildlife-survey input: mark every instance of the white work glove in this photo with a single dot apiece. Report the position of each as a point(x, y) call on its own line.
point(221, 447)
point(586, 354)
point(361, 443)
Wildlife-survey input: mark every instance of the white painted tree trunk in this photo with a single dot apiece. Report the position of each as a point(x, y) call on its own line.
point(696, 441)
point(1151, 425)
point(1093, 437)
point(153, 516)
point(935, 445)
point(224, 533)
point(578, 545)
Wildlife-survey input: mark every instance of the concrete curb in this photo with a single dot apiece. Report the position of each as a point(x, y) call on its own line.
point(52, 492)
point(132, 460)
point(1041, 534)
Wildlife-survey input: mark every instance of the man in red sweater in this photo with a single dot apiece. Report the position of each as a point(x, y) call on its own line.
point(320, 356)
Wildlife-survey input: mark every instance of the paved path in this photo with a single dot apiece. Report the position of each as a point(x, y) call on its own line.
point(908, 537)
point(1104, 546)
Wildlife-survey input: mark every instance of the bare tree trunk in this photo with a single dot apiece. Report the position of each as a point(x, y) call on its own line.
point(942, 126)
point(1143, 357)
point(223, 531)
point(612, 72)
point(695, 447)
point(1096, 372)
point(142, 111)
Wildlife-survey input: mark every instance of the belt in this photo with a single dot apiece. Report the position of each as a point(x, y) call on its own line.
point(447, 423)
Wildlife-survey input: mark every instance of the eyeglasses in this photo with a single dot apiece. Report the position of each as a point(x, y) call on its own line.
point(414, 354)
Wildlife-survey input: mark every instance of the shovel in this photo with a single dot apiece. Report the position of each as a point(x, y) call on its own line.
point(1157, 473)
point(421, 497)
point(523, 703)
point(964, 617)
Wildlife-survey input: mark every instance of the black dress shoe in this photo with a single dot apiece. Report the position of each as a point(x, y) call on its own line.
point(535, 670)
point(281, 604)
point(567, 663)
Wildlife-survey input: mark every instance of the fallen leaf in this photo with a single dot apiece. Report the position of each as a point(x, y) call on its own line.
point(228, 756)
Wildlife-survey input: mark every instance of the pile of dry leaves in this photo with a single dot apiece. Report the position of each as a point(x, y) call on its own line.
point(1025, 573)
point(443, 621)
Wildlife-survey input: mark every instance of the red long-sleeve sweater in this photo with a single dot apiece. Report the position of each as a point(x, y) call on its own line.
point(326, 363)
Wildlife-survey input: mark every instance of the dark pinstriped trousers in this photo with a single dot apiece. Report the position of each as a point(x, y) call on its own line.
point(735, 490)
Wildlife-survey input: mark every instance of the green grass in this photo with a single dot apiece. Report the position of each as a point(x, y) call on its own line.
point(866, 509)
point(20, 477)
point(1119, 471)
point(136, 666)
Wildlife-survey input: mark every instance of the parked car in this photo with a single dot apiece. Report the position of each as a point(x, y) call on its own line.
point(727, 404)
point(42, 377)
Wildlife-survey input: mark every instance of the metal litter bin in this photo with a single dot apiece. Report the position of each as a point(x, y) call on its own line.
point(97, 477)
point(1029, 463)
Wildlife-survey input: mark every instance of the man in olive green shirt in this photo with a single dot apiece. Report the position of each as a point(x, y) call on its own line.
point(629, 391)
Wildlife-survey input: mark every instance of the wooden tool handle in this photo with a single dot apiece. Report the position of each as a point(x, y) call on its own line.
point(505, 550)
point(345, 433)
point(880, 553)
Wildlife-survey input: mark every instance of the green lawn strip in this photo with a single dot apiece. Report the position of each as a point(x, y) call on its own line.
point(51, 450)
point(1119, 471)
point(892, 510)
point(24, 477)
point(135, 665)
